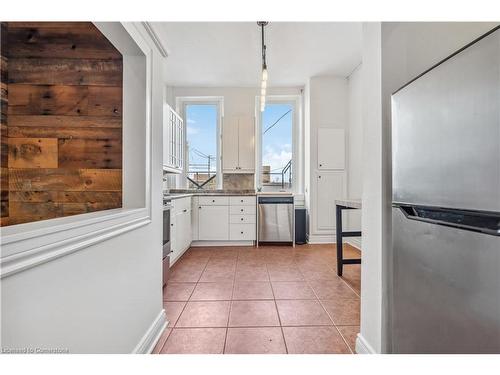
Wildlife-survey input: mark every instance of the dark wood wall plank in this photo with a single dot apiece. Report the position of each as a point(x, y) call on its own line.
point(105, 101)
point(58, 179)
point(65, 121)
point(65, 133)
point(90, 153)
point(48, 100)
point(64, 100)
point(48, 40)
point(80, 72)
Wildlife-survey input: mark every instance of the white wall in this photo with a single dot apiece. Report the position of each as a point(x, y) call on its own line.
point(369, 339)
point(103, 297)
point(355, 150)
point(326, 107)
point(393, 54)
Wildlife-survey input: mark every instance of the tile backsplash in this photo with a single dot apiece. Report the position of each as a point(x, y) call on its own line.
point(231, 181)
point(238, 181)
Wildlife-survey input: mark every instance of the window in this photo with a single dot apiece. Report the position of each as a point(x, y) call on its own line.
point(277, 146)
point(202, 167)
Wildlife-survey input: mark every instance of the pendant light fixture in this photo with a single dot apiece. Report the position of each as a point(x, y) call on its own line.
point(263, 86)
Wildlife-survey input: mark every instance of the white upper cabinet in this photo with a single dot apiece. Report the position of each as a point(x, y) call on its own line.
point(331, 149)
point(246, 144)
point(238, 148)
point(173, 140)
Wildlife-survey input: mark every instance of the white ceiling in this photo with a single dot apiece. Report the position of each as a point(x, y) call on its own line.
point(229, 54)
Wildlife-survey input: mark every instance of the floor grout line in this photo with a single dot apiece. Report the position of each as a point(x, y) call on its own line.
point(184, 307)
point(329, 316)
point(277, 311)
point(263, 326)
point(230, 304)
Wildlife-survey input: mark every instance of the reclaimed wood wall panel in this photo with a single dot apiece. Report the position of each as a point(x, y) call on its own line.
point(63, 121)
point(4, 143)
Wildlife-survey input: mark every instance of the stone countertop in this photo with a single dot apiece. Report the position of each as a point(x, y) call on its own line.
point(275, 193)
point(352, 203)
point(181, 193)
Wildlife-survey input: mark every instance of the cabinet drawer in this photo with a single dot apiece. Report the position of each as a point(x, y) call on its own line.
point(181, 204)
point(242, 210)
point(242, 232)
point(242, 201)
point(241, 219)
point(213, 201)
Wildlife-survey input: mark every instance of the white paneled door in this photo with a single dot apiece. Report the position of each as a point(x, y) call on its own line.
point(331, 149)
point(329, 186)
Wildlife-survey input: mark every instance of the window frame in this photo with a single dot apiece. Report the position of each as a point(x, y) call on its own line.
point(297, 135)
point(181, 102)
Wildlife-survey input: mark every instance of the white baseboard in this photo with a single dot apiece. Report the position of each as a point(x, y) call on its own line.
point(152, 335)
point(354, 242)
point(320, 238)
point(222, 243)
point(362, 346)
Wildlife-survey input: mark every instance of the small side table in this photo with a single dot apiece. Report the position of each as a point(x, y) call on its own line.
point(340, 205)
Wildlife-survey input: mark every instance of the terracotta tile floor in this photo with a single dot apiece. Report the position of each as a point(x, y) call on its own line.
point(271, 299)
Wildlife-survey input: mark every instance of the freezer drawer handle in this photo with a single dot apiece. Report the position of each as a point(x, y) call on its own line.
point(471, 220)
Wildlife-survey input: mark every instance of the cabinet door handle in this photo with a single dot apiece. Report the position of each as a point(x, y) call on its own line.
point(172, 224)
point(241, 210)
point(213, 200)
point(184, 210)
point(241, 232)
point(199, 207)
point(319, 176)
point(241, 219)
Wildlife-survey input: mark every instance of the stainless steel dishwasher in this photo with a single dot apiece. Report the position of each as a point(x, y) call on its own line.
point(275, 219)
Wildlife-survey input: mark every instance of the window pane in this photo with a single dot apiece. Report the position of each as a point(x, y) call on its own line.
point(201, 136)
point(276, 171)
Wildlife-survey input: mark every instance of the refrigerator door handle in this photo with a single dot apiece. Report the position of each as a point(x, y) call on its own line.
point(471, 220)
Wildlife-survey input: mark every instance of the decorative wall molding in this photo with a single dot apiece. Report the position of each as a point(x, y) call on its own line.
point(362, 346)
point(154, 37)
point(21, 261)
point(152, 335)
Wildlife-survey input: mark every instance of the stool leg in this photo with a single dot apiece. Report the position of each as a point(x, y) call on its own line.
point(338, 231)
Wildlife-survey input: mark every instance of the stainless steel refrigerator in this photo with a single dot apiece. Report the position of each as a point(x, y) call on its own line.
point(445, 288)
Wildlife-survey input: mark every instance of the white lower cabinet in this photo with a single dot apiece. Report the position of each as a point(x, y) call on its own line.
point(213, 223)
point(180, 227)
point(329, 186)
point(242, 232)
point(222, 218)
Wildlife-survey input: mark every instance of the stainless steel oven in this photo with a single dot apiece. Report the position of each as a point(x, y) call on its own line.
point(166, 240)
